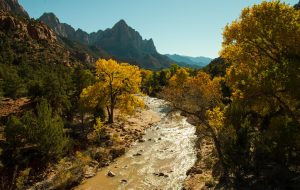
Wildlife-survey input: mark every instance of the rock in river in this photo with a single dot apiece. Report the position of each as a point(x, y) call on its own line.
point(110, 174)
point(137, 154)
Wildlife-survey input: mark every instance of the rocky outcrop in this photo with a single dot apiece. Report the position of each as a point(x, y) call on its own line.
point(13, 7)
point(32, 41)
point(22, 28)
point(40, 32)
point(9, 23)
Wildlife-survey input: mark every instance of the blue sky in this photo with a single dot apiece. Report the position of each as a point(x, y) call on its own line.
point(187, 27)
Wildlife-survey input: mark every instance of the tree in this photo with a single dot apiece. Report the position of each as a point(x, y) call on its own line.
point(10, 82)
point(216, 67)
point(45, 130)
point(14, 133)
point(263, 118)
point(117, 86)
point(265, 59)
point(146, 84)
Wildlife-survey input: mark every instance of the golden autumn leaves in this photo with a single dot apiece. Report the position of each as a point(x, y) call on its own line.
point(116, 87)
point(194, 94)
point(263, 51)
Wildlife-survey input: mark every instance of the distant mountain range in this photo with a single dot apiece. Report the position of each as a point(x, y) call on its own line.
point(121, 42)
point(194, 62)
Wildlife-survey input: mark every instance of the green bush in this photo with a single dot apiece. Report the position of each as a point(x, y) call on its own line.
point(46, 130)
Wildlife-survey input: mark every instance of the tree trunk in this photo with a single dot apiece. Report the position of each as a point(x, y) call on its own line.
point(110, 115)
point(219, 150)
point(112, 103)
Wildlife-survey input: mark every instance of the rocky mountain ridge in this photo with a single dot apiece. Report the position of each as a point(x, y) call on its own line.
point(14, 7)
point(121, 42)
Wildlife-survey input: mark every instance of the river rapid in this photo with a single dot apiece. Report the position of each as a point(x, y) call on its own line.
point(161, 162)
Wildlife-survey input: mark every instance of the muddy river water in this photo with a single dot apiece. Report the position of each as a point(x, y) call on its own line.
point(160, 162)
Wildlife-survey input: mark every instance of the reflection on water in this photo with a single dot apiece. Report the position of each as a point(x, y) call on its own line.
point(158, 163)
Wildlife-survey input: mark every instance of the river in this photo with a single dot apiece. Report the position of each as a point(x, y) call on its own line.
point(160, 162)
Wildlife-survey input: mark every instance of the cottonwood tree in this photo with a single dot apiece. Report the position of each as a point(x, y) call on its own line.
point(117, 86)
point(264, 54)
point(263, 119)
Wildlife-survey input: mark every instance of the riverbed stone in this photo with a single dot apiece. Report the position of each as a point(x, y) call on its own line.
point(161, 174)
point(110, 174)
point(137, 154)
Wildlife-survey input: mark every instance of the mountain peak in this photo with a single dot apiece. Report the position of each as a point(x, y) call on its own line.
point(50, 15)
point(49, 18)
point(121, 24)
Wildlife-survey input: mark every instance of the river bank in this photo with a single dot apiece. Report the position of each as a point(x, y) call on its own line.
point(203, 174)
point(72, 170)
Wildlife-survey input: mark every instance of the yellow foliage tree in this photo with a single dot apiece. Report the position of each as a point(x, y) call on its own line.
point(194, 94)
point(262, 48)
point(117, 86)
